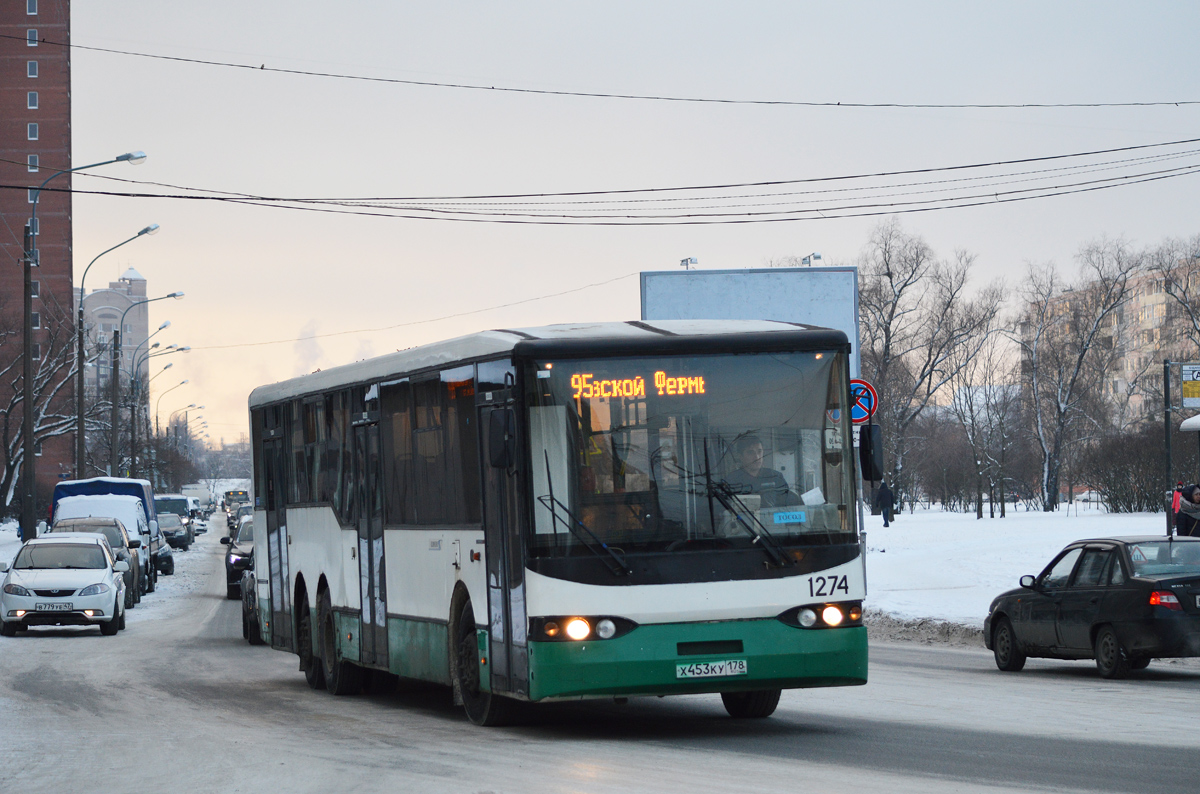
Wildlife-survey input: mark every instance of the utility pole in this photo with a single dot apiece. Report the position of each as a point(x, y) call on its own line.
point(28, 456)
point(114, 461)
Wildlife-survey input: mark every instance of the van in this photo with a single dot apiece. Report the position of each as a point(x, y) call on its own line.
point(129, 511)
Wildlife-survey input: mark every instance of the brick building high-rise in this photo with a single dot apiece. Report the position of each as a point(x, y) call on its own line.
point(35, 142)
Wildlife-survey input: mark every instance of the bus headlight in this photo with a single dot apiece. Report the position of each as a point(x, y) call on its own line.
point(832, 616)
point(575, 628)
point(578, 629)
point(843, 614)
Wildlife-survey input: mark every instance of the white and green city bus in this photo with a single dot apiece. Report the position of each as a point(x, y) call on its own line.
point(575, 511)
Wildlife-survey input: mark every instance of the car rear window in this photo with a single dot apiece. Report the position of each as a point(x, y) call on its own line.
point(1157, 557)
point(177, 506)
point(246, 533)
point(60, 556)
point(109, 531)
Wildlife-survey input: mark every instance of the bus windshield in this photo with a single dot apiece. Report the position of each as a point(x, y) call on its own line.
point(690, 452)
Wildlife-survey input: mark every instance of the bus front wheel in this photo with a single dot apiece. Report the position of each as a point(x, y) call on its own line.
point(751, 705)
point(483, 708)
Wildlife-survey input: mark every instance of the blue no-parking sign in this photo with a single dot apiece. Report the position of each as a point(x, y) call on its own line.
point(865, 401)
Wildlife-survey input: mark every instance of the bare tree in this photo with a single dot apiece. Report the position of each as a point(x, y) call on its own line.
point(54, 370)
point(918, 329)
point(1069, 344)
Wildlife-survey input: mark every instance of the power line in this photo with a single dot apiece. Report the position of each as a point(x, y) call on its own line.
point(419, 322)
point(613, 95)
point(683, 219)
point(654, 190)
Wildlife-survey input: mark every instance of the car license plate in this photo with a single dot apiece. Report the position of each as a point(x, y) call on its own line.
point(711, 669)
point(56, 607)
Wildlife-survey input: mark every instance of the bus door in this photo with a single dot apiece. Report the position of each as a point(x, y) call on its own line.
point(372, 635)
point(507, 620)
point(272, 502)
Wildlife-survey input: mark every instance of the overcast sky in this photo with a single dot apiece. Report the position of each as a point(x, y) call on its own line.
point(256, 274)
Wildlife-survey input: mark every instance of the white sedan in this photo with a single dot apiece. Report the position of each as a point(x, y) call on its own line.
point(63, 580)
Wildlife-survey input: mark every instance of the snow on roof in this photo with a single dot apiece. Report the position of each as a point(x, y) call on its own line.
point(499, 341)
point(132, 275)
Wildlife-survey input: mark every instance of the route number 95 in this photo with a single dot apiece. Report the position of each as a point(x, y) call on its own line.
point(820, 586)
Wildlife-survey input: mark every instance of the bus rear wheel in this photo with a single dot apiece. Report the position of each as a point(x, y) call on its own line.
point(483, 708)
point(751, 705)
point(311, 665)
point(341, 677)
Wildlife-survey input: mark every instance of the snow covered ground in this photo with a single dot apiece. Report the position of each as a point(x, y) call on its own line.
point(928, 564)
point(949, 566)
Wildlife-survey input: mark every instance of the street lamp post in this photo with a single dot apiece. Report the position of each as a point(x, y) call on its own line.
point(134, 404)
point(28, 463)
point(114, 460)
point(80, 447)
point(171, 415)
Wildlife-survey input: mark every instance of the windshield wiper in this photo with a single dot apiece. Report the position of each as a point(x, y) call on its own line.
point(614, 561)
point(730, 501)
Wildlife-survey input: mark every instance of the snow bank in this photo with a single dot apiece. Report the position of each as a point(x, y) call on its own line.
point(949, 566)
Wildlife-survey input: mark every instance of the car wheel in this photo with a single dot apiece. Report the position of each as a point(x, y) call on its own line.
point(341, 677)
point(110, 627)
point(751, 705)
point(121, 626)
point(8, 629)
point(254, 628)
point(1009, 657)
point(1140, 663)
point(1110, 656)
point(483, 708)
point(152, 579)
point(129, 598)
point(169, 568)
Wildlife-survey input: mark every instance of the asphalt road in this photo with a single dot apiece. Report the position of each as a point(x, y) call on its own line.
point(179, 700)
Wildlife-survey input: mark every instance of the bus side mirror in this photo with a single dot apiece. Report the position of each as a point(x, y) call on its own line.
point(502, 438)
point(870, 452)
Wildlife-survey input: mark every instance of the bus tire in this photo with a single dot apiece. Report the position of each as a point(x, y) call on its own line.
point(751, 705)
point(341, 677)
point(254, 628)
point(483, 708)
point(311, 665)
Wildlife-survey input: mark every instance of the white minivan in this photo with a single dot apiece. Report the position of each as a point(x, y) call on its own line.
point(129, 510)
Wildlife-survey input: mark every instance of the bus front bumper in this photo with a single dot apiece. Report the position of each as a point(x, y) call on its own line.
point(647, 660)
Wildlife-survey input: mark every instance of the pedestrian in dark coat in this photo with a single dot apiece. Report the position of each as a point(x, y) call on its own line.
point(1187, 519)
point(885, 501)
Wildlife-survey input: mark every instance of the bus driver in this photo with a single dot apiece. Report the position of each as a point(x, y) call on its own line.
point(755, 478)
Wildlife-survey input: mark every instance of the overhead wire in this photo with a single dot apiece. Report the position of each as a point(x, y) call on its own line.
point(263, 68)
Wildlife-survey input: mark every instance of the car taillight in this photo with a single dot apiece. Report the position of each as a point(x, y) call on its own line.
point(1162, 598)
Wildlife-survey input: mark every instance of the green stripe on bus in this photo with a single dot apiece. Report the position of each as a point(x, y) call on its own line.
point(644, 661)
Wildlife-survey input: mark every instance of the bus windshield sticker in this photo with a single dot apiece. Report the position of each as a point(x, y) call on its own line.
point(795, 517)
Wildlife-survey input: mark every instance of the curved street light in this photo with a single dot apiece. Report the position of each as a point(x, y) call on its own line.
point(114, 460)
point(80, 446)
point(170, 416)
point(29, 456)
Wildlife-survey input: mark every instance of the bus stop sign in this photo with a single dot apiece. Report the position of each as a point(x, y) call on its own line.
point(865, 401)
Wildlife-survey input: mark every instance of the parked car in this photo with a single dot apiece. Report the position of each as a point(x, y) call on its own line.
point(130, 511)
point(164, 558)
point(199, 522)
point(177, 534)
point(175, 503)
point(1121, 601)
point(123, 548)
point(70, 580)
point(251, 625)
point(238, 557)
